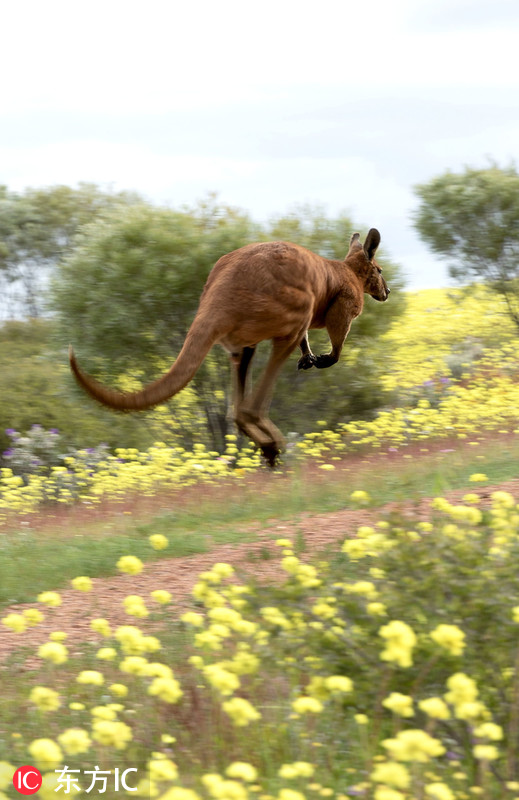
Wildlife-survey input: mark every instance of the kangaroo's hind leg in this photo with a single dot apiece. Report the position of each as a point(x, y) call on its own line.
point(241, 363)
point(252, 415)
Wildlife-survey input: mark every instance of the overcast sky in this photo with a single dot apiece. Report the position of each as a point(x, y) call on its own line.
point(347, 105)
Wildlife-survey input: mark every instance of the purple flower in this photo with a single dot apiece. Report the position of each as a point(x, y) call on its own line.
point(11, 432)
point(55, 431)
point(8, 453)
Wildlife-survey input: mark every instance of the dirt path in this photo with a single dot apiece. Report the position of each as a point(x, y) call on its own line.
point(178, 575)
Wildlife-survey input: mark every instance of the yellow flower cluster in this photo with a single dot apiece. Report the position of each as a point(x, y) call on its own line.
point(400, 641)
point(275, 667)
point(448, 385)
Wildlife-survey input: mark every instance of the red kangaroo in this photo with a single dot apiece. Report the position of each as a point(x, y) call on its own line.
point(270, 290)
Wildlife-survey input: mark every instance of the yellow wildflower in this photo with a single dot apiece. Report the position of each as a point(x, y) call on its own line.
point(192, 618)
point(338, 683)
point(485, 752)
point(307, 705)
point(46, 699)
point(167, 689)
point(51, 599)
point(391, 773)
point(58, 636)
point(135, 665)
point(360, 497)
point(298, 769)
point(17, 622)
point(46, 753)
point(290, 794)
point(103, 712)
point(158, 541)
point(400, 704)
point(243, 770)
point(450, 637)
point(33, 616)
point(111, 733)
point(162, 769)
point(130, 564)
point(74, 741)
point(7, 771)
point(53, 651)
point(489, 730)
point(161, 596)
point(439, 791)
point(435, 708)
point(101, 626)
point(90, 677)
point(413, 745)
point(82, 583)
point(400, 640)
point(106, 653)
point(118, 689)
point(240, 711)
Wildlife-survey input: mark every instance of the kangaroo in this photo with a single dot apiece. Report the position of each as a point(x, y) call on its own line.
point(269, 290)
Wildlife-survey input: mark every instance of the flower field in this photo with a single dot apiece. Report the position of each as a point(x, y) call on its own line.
point(383, 667)
point(387, 670)
point(454, 373)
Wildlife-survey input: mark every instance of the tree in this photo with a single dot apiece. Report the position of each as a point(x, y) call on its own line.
point(37, 228)
point(127, 294)
point(472, 218)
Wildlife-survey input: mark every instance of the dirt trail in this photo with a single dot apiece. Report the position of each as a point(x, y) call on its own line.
point(178, 575)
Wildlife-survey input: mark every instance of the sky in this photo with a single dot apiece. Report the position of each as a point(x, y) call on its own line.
point(343, 105)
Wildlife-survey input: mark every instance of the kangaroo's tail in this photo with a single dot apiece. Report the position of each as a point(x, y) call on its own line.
point(198, 342)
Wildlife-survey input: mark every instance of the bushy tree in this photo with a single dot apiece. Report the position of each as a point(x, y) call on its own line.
point(37, 228)
point(128, 293)
point(472, 219)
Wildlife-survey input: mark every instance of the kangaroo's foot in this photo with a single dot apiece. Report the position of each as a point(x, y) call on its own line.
point(327, 360)
point(271, 454)
point(307, 361)
point(263, 433)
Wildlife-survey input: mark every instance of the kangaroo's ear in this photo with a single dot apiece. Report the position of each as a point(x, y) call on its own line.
point(354, 243)
point(371, 243)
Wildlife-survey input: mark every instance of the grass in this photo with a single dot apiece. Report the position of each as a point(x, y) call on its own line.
point(47, 552)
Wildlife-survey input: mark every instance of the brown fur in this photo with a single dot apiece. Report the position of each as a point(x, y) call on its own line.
point(272, 290)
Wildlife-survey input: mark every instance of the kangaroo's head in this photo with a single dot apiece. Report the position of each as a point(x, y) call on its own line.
point(361, 259)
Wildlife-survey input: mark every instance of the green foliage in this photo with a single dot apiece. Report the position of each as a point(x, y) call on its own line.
point(129, 290)
point(37, 228)
point(472, 218)
point(34, 380)
point(414, 608)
